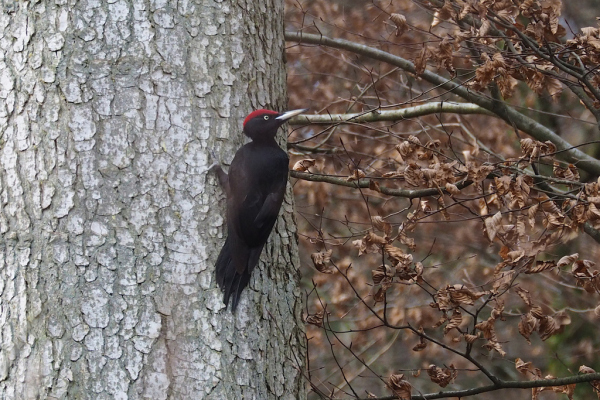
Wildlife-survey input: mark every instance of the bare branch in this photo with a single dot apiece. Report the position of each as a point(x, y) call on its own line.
point(504, 385)
point(392, 115)
point(364, 184)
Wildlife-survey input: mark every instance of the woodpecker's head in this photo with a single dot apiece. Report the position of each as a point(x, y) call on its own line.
point(263, 124)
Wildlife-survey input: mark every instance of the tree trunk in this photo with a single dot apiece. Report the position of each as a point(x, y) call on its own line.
point(110, 221)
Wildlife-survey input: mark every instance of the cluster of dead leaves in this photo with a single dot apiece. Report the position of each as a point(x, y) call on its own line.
point(495, 69)
point(519, 205)
point(585, 276)
point(442, 376)
point(533, 149)
point(535, 374)
point(542, 25)
point(425, 165)
point(488, 329)
point(322, 261)
point(401, 268)
point(536, 321)
point(453, 298)
point(586, 207)
point(585, 48)
point(586, 45)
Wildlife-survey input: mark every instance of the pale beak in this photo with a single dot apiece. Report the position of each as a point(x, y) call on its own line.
point(289, 114)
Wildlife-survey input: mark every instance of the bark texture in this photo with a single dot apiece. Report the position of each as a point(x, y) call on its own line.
point(110, 222)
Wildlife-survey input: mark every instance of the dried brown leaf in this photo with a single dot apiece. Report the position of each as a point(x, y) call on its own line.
point(397, 255)
point(421, 60)
point(315, 319)
point(452, 189)
point(527, 369)
point(320, 261)
point(454, 321)
point(380, 224)
point(527, 326)
point(304, 165)
point(356, 175)
point(492, 225)
point(569, 390)
point(541, 266)
point(566, 260)
point(400, 21)
point(401, 387)
point(549, 326)
point(379, 296)
point(586, 370)
point(502, 184)
point(443, 14)
point(471, 338)
point(537, 312)
point(595, 384)
point(485, 27)
point(383, 274)
point(531, 212)
point(374, 185)
point(487, 328)
point(407, 241)
point(422, 343)
point(460, 294)
point(498, 310)
point(502, 282)
point(494, 345)
point(442, 377)
point(524, 294)
point(370, 243)
point(419, 346)
point(443, 317)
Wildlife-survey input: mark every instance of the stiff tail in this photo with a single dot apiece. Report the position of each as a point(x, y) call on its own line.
point(229, 280)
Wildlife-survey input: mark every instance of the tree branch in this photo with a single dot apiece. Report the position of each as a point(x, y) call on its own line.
point(504, 385)
point(365, 184)
point(392, 115)
point(508, 114)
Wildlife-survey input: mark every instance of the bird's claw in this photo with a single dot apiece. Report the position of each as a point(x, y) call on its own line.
point(216, 164)
point(213, 155)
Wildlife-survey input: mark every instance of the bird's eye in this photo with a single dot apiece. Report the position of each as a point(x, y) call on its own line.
point(266, 117)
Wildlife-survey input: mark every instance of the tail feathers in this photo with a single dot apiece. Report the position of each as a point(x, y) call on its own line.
point(224, 264)
point(229, 280)
point(234, 289)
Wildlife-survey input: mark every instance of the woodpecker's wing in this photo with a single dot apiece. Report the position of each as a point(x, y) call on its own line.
point(257, 179)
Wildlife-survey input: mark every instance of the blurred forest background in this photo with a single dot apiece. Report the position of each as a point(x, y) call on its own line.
point(489, 269)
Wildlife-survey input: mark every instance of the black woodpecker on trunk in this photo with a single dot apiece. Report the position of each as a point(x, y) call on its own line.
point(255, 187)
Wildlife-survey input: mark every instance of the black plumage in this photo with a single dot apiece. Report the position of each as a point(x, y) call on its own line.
point(255, 187)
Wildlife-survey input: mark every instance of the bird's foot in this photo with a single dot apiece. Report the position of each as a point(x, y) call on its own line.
point(215, 159)
point(216, 167)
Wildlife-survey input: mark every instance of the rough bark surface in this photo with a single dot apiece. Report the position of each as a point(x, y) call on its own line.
point(110, 222)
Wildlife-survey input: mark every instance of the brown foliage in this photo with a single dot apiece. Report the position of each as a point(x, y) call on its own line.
point(484, 240)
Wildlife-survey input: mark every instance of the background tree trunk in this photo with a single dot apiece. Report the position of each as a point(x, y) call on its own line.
point(110, 223)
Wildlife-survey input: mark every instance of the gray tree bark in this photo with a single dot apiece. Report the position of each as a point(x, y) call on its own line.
point(110, 223)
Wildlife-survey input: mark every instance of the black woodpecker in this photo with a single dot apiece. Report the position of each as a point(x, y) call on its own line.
point(255, 187)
